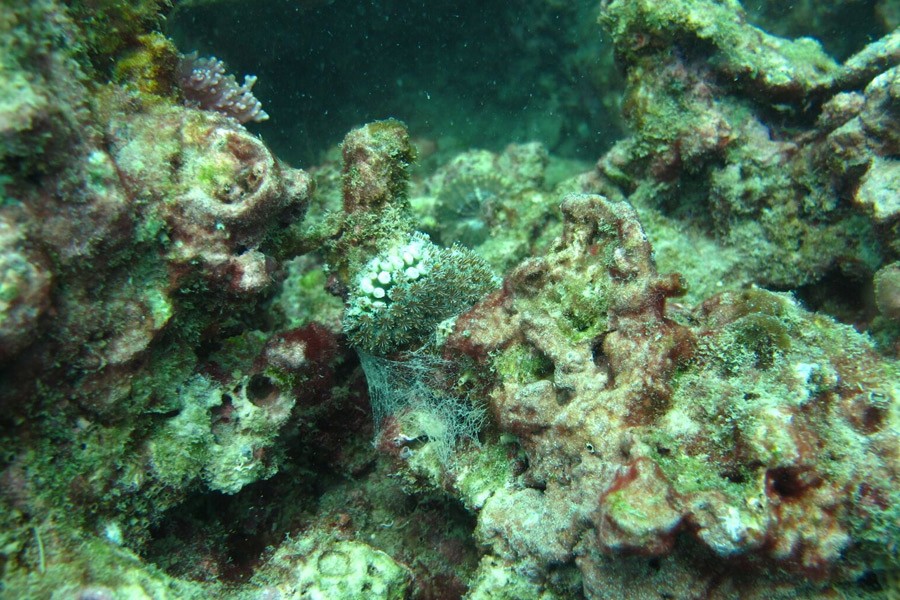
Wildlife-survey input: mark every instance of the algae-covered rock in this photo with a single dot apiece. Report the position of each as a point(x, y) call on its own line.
point(335, 570)
point(732, 180)
point(728, 427)
point(502, 205)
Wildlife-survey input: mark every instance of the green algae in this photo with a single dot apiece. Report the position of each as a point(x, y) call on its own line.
point(522, 364)
point(749, 53)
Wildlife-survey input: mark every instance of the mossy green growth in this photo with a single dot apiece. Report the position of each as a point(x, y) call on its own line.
point(195, 445)
point(9, 291)
point(739, 47)
point(213, 177)
point(238, 352)
point(150, 67)
point(6, 198)
point(156, 389)
point(151, 229)
point(578, 307)
point(390, 158)
point(769, 382)
point(77, 566)
point(180, 450)
point(878, 530)
point(498, 580)
point(585, 309)
point(623, 506)
point(226, 450)
point(499, 205)
point(531, 230)
point(658, 111)
point(521, 364)
point(485, 471)
point(303, 298)
point(753, 341)
point(110, 27)
point(92, 463)
point(478, 471)
point(20, 97)
point(690, 474)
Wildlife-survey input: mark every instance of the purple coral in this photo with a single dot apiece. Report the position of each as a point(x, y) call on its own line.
point(206, 85)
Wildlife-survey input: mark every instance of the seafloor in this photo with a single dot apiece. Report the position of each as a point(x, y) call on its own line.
point(540, 300)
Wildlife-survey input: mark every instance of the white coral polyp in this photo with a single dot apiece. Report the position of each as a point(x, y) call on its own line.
point(405, 263)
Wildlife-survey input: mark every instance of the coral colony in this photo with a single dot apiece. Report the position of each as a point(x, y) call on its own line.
point(420, 371)
point(205, 85)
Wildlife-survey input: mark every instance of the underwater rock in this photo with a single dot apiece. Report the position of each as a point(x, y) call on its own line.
point(377, 158)
point(216, 204)
point(180, 197)
point(887, 291)
point(131, 234)
point(498, 204)
point(348, 570)
point(750, 429)
point(24, 290)
point(724, 156)
point(376, 215)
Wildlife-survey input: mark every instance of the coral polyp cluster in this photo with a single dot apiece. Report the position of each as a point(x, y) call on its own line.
point(403, 294)
point(402, 265)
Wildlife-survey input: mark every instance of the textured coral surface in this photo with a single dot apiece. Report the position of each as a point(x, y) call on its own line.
point(415, 371)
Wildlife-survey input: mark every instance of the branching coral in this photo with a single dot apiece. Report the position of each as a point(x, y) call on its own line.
point(206, 85)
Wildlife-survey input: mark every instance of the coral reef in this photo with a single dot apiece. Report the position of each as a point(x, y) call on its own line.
point(499, 374)
point(131, 235)
point(753, 146)
point(747, 430)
